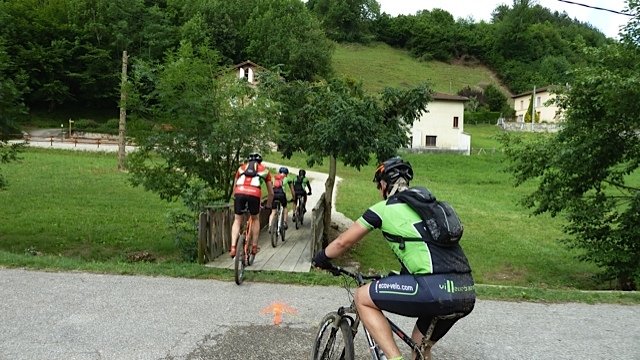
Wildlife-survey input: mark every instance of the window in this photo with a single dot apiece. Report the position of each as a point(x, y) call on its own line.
point(521, 104)
point(455, 122)
point(538, 101)
point(430, 140)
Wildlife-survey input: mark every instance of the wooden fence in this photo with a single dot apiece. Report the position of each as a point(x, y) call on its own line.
point(214, 231)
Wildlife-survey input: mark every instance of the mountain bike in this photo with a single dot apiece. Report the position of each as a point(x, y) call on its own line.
point(244, 257)
point(277, 224)
point(337, 330)
point(300, 210)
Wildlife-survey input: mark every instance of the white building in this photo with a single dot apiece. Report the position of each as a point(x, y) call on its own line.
point(442, 127)
point(544, 107)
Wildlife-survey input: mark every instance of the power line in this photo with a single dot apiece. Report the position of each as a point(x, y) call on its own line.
point(597, 8)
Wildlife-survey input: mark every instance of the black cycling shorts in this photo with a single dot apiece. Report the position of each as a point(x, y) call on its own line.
point(426, 296)
point(242, 201)
point(281, 197)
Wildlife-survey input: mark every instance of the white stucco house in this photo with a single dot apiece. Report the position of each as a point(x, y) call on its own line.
point(248, 70)
point(543, 105)
point(442, 127)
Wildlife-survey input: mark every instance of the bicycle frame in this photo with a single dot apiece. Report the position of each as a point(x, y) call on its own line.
point(376, 353)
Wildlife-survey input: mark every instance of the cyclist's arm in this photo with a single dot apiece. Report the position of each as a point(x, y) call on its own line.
point(293, 192)
point(346, 240)
point(309, 185)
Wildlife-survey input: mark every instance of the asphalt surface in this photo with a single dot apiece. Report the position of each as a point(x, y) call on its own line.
point(45, 315)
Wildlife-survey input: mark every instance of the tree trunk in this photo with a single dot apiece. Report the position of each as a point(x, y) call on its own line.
point(328, 192)
point(123, 113)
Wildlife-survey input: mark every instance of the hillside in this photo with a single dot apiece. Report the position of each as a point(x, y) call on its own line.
point(380, 65)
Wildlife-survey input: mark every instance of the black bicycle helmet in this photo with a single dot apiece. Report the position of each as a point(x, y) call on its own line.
point(284, 170)
point(302, 173)
point(255, 157)
point(393, 169)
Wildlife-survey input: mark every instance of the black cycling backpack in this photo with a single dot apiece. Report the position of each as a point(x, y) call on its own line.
point(252, 169)
point(440, 221)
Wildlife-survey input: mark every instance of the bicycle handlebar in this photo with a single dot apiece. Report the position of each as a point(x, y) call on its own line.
point(358, 276)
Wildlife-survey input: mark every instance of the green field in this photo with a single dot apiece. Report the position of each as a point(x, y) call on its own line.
point(67, 210)
point(379, 66)
point(77, 205)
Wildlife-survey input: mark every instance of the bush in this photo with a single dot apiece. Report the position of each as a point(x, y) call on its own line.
point(86, 125)
point(481, 117)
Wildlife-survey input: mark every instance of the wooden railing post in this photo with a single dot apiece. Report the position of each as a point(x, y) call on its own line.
point(202, 236)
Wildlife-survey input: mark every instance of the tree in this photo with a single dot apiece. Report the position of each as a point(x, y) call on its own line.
point(12, 86)
point(588, 172)
point(346, 20)
point(527, 115)
point(206, 120)
point(496, 100)
point(283, 32)
point(340, 121)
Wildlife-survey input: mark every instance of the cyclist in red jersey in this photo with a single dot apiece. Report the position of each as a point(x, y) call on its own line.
point(281, 183)
point(248, 193)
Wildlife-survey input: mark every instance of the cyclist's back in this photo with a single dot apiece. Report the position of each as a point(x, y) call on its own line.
point(434, 280)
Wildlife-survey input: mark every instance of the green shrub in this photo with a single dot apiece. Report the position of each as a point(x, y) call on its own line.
point(481, 117)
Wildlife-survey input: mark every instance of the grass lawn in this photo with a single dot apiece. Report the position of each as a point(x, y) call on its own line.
point(68, 210)
point(396, 68)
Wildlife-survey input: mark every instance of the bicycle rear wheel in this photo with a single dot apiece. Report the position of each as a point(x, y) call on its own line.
point(334, 340)
point(283, 229)
point(238, 261)
point(298, 215)
point(274, 230)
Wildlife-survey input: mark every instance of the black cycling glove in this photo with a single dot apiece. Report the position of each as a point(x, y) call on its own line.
point(321, 260)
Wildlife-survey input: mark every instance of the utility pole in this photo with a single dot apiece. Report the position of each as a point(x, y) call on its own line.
point(123, 113)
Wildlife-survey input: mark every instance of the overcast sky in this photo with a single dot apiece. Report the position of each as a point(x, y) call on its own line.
point(608, 23)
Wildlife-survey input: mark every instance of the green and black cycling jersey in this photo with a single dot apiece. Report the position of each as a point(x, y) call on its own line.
point(397, 221)
point(300, 184)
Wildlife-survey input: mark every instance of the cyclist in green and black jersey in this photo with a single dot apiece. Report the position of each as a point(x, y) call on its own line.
point(434, 280)
point(299, 185)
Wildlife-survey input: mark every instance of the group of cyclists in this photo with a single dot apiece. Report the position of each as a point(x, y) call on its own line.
point(433, 281)
point(247, 192)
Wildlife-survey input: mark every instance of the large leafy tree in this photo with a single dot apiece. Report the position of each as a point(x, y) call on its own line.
point(337, 119)
point(346, 20)
point(590, 171)
point(208, 121)
point(283, 32)
point(11, 107)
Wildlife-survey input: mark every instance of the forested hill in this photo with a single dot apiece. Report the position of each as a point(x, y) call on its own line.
point(68, 53)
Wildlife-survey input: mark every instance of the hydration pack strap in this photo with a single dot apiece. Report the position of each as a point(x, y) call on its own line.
point(401, 240)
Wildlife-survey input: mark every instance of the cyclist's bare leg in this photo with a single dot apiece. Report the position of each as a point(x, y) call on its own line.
point(273, 214)
point(417, 338)
point(255, 230)
point(285, 214)
point(235, 229)
point(375, 322)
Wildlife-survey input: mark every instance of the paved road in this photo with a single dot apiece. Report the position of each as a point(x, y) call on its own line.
point(87, 316)
point(47, 315)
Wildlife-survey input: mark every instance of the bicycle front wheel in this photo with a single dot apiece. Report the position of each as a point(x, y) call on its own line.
point(298, 214)
point(334, 340)
point(238, 261)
